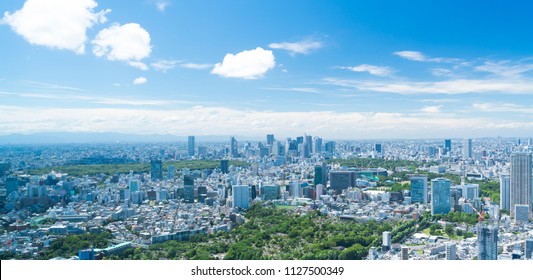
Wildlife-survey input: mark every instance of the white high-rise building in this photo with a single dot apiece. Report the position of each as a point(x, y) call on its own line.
point(467, 148)
point(521, 183)
point(505, 188)
point(386, 243)
point(451, 251)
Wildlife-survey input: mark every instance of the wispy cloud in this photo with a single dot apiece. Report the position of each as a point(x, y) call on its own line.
point(197, 66)
point(505, 68)
point(162, 5)
point(418, 56)
point(371, 69)
point(301, 47)
point(502, 107)
point(432, 109)
point(258, 123)
point(41, 85)
point(453, 86)
point(164, 65)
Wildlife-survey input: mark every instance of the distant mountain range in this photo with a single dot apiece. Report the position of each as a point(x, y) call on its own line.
point(107, 137)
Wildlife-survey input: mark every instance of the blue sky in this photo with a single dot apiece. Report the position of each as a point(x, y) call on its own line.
point(336, 69)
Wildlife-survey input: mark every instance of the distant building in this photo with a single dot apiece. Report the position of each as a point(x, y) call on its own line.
point(377, 148)
point(320, 174)
point(521, 213)
point(440, 196)
point(270, 192)
point(467, 148)
point(188, 188)
point(241, 196)
point(386, 241)
point(190, 146)
point(448, 145)
point(404, 254)
point(487, 238)
point(419, 190)
point(340, 180)
point(234, 152)
point(451, 251)
point(171, 170)
point(156, 170)
point(528, 248)
point(505, 189)
point(270, 139)
point(224, 166)
point(330, 147)
point(12, 184)
point(521, 183)
point(470, 191)
point(294, 189)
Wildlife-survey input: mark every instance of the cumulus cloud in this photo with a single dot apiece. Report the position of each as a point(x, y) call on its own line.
point(371, 69)
point(302, 47)
point(129, 43)
point(140, 81)
point(59, 24)
point(249, 64)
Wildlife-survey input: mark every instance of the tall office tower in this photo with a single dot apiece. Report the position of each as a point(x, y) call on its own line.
point(448, 145)
point(270, 139)
point(241, 196)
point(341, 180)
point(190, 146)
point(487, 241)
point(467, 148)
point(440, 196)
point(419, 190)
point(320, 174)
point(521, 183)
point(318, 145)
point(377, 148)
point(330, 147)
point(505, 189)
point(528, 248)
point(171, 170)
point(309, 143)
point(234, 152)
point(386, 241)
point(224, 166)
point(521, 212)
point(276, 148)
point(12, 184)
point(156, 170)
point(404, 255)
point(300, 139)
point(451, 251)
point(188, 188)
point(294, 189)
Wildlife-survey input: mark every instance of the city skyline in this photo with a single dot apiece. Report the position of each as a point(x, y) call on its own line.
point(356, 71)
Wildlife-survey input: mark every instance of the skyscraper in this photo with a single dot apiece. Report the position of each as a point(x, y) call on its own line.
point(233, 148)
point(386, 241)
point(224, 166)
point(404, 254)
point(377, 148)
point(190, 146)
point(156, 170)
point(419, 190)
point(448, 145)
point(270, 139)
point(241, 196)
point(467, 148)
point(188, 188)
point(505, 195)
point(440, 196)
point(487, 240)
point(521, 183)
point(320, 174)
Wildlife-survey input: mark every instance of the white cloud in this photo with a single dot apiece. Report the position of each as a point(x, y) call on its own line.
point(432, 109)
point(59, 24)
point(138, 64)
point(372, 69)
point(454, 86)
point(303, 47)
point(129, 43)
point(418, 56)
point(505, 68)
point(196, 66)
point(411, 55)
point(441, 72)
point(249, 64)
point(140, 81)
point(162, 5)
point(328, 124)
point(502, 107)
point(164, 65)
